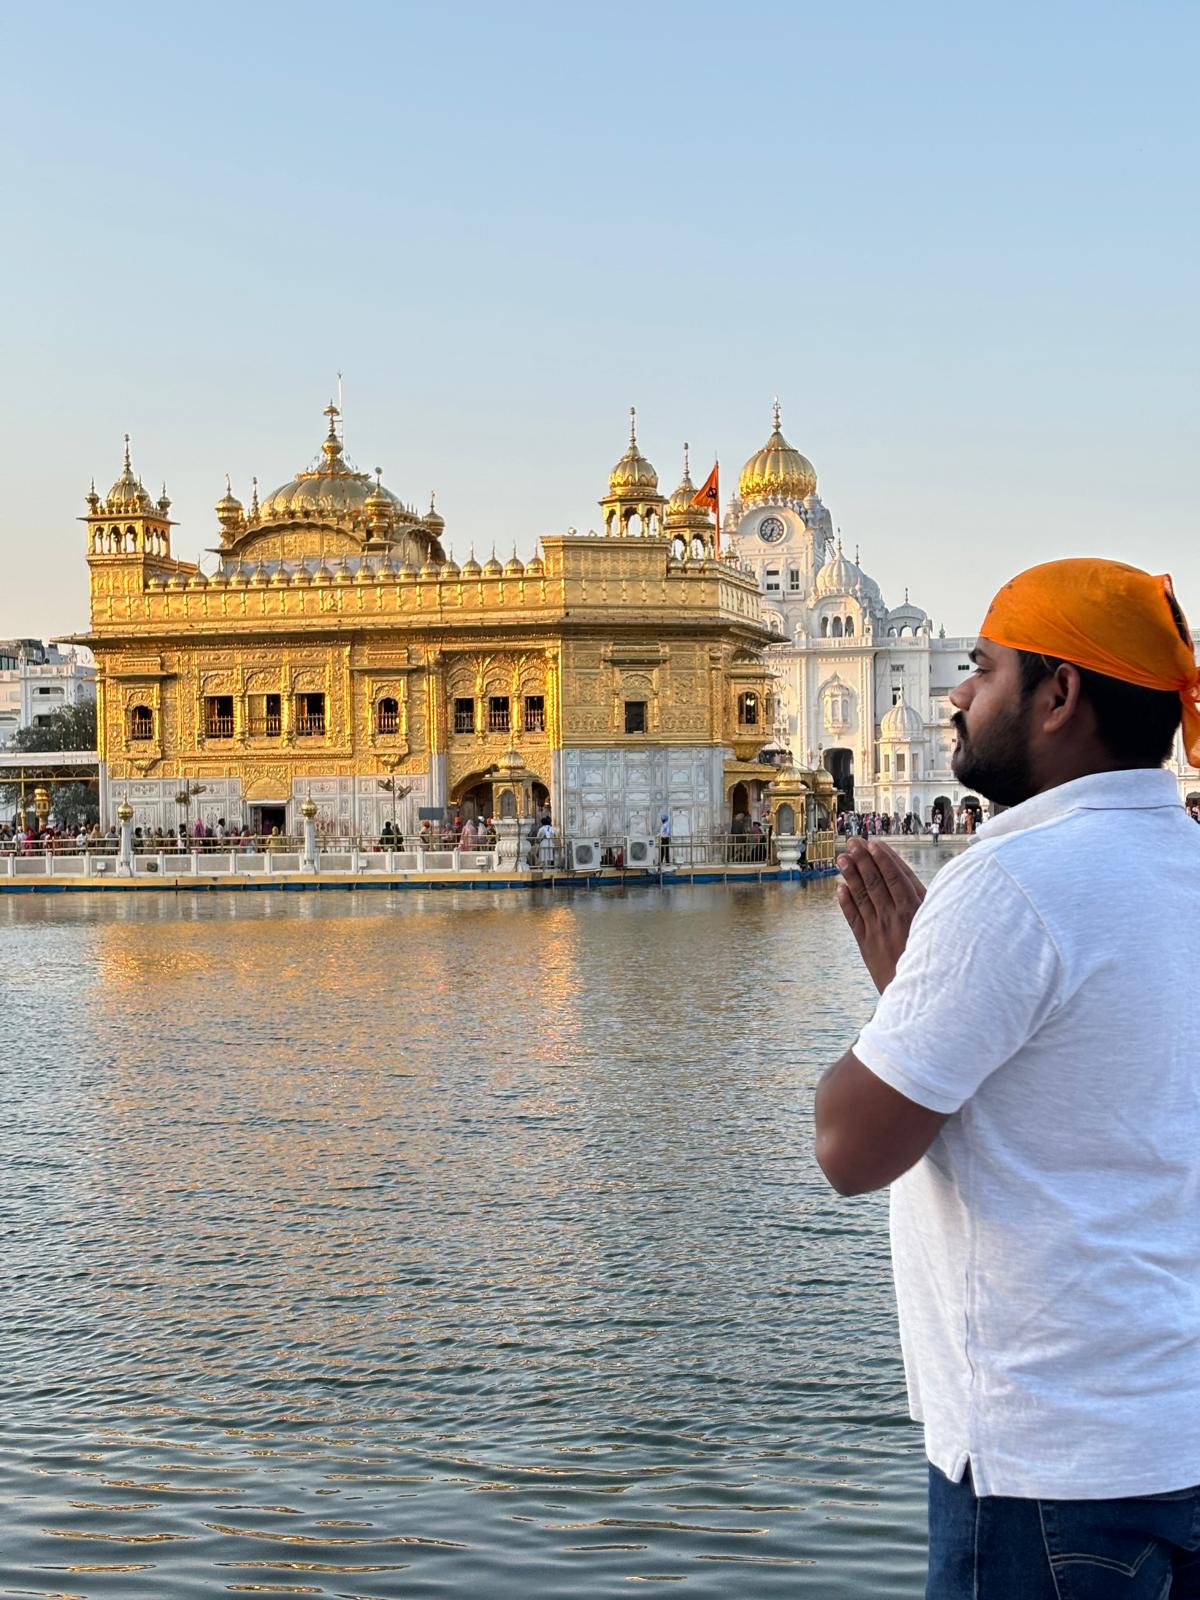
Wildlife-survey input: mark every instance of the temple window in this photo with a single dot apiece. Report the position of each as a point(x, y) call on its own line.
point(266, 716)
point(535, 713)
point(387, 715)
point(141, 723)
point(887, 762)
point(772, 580)
point(837, 627)
point(464, 715)
point(498, 714)
point(900, 761)
point(635, 716)
point(218, 716)
point(824, 627)
point(748, 709)
point(849, 627)
point(310, 715)
point(793, 580)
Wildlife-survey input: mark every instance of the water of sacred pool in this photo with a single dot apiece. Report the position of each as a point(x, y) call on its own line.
point(431, 1244)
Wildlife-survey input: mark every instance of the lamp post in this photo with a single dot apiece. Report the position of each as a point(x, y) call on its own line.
point(185, 797)
point(398, 791)
point(125, 854)
point(308, 810)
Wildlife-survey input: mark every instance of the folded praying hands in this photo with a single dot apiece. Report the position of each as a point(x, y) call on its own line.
point(879, 896)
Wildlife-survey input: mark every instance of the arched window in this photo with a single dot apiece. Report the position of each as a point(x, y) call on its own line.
point(824, 627)
point(849, 627)
point(387, 715)
point(678, 549)
point(837, 627)
point(141, 722)
point(697, 549)
point(748, 709)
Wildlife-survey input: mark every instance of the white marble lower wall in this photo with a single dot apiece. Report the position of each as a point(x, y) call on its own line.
point(606, 794)
point(346, 805)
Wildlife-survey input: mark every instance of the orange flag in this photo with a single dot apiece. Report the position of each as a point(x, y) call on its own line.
point(710, 498)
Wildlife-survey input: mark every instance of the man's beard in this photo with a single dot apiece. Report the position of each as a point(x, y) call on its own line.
point(996, 763)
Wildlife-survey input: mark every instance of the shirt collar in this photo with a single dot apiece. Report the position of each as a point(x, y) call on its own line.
point(1140, 789)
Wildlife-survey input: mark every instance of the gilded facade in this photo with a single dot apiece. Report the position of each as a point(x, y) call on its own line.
point(335, 645)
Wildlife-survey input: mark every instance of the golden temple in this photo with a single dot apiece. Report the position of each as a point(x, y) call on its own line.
point(336, 645)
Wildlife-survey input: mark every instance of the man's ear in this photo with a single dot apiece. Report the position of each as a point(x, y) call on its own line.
point(1064, 691)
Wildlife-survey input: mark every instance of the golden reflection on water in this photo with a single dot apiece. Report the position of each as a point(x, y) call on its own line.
point(445, 1223)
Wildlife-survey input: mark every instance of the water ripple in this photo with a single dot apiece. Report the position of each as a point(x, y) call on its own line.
point(463, 1238)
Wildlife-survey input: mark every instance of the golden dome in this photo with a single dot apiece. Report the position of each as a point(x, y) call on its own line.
point(492, 567)
point(633, 474)
point(777, 472)
point(127, 494)
point(680, 512)
point(332, 489)
point(471, 567)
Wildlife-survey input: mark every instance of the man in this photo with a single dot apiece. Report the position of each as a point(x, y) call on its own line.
point(1030, 1086)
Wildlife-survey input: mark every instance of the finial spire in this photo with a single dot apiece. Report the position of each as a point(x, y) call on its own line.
point(228, 485)
point(856, 549)
point(633, 427)
point(127, 466)
point(254, 496)
point(775, 410)
point(905, 594)
point(686, 468)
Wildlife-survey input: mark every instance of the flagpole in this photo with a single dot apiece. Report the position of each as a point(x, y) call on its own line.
point(717, 508)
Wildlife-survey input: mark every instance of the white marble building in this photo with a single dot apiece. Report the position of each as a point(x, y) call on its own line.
point(37, 679)
point(863, 686)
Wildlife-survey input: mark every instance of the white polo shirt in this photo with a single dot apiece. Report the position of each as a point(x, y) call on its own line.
point(1047, 1247)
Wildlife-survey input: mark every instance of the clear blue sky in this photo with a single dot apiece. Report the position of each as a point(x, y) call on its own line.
point(959, 241)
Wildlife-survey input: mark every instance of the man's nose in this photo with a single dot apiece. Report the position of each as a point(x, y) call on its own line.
point(961, 694)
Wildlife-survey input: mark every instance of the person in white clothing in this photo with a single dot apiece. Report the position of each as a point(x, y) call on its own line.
point(1029, 1086)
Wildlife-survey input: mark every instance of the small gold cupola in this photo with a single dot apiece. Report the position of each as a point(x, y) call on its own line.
point(230, 514)
point(686, 521)
point(633, 506)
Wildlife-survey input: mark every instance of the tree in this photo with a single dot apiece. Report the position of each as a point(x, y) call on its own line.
point(68, 728)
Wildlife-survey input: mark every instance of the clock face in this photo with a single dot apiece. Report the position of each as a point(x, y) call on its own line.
point(771, 530)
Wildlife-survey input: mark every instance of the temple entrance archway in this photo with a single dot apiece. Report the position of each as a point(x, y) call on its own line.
point(943, 811)
point(264, 818)
point(839, 763)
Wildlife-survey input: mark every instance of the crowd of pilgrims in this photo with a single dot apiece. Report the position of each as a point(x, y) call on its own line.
point(869, 824)
point(463, 833)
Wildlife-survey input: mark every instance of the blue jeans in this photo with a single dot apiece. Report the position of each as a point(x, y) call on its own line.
point(992, 1547)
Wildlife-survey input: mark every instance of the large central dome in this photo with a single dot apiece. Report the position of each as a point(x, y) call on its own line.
point(332, 488)
point(777, 472)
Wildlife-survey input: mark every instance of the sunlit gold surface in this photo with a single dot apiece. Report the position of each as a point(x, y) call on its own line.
point(777, 472)
point(334, 587)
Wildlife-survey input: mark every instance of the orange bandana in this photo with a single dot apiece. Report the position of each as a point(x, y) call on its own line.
point(1107, 617)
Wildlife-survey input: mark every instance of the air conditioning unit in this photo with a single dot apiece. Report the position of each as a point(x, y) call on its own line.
point(585, 855)
point(641, 853)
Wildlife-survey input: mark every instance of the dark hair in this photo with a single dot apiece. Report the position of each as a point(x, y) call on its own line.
point(1137, 725)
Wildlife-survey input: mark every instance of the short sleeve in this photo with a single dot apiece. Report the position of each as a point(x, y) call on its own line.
point(979, 977)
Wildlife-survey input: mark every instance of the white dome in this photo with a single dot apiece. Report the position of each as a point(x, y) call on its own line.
point(839, 576)
point(901, 722)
